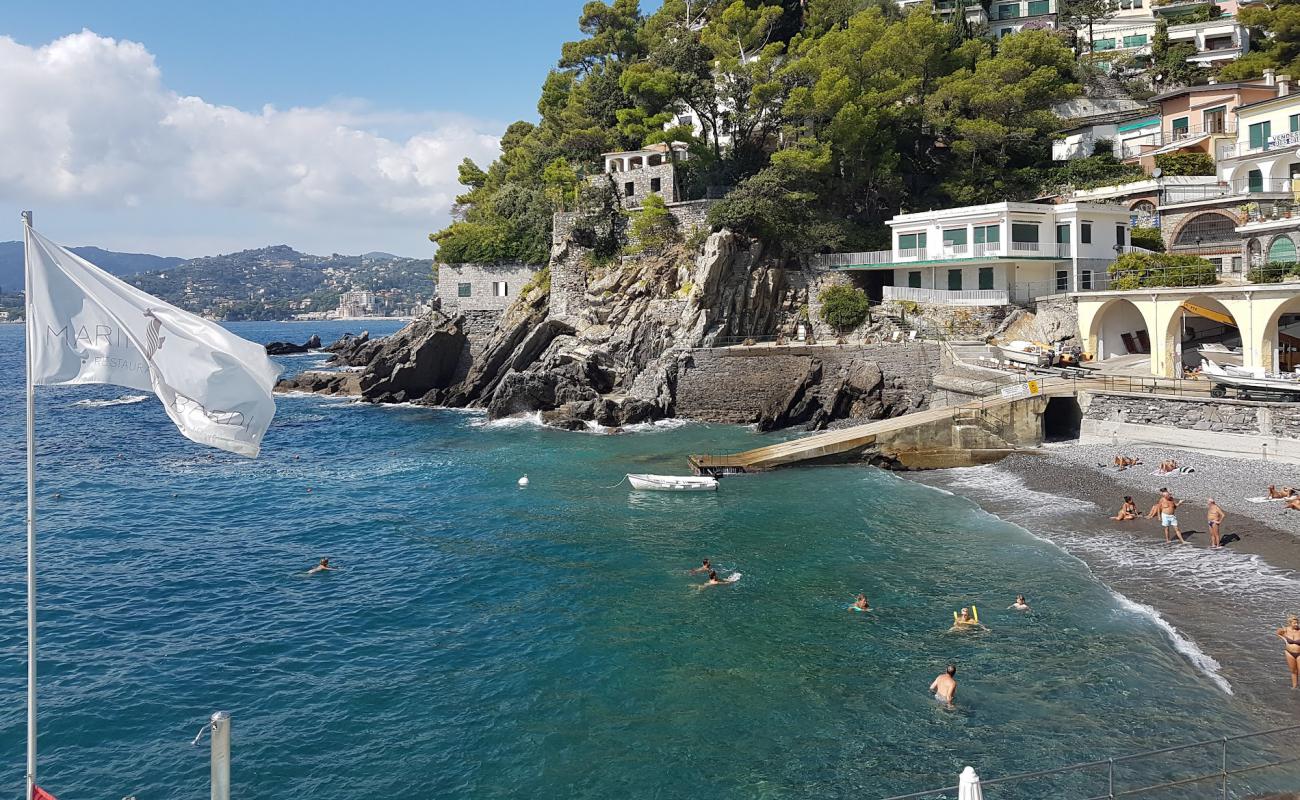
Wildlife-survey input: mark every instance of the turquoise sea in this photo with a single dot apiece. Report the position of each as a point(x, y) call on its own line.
point(489, 641)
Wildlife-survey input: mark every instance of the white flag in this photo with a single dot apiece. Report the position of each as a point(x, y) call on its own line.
point(86, 326)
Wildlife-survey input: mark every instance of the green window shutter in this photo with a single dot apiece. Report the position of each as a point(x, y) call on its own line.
point(992, 234)
point(1024, 232)
point(1138, 40)
point(954, 280)
point(920, 240)
point(1039, 7)
point(1062, 234)
point(1180, 126)
point(1259, 133)
point(1282, 250)
point(1104, 44)
point(1295, 123)
point(914, 280)
point(462, 289)
point(1255, 181)
point(954, 236)
point(986, 277)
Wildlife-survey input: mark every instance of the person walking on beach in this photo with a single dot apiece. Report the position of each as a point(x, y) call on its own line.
point(1291, 635)
point(1165, 507)
point(1127, 511)
point(945, 686)
point(1214, 518)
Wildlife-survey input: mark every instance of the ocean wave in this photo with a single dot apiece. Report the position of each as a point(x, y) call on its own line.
point(124, 400)
point(1008, 488)
point(670, 424)
point(531, 419)
point(1199, 658)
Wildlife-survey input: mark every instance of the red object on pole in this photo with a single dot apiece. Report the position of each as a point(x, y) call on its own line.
point(40, 794)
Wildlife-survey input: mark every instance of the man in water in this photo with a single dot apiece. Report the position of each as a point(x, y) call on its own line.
point(945, 686)
point(1020, 604)
point(323, 566)
point(1165, 507)
point(861, 603)
point(714, 580)
point(704, 566)
point(1214, 517)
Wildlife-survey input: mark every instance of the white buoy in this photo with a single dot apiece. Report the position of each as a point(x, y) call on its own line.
point(523, 481)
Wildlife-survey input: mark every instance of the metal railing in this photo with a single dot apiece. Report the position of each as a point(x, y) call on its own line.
point(1110, 779)
point(1137, 145)
point(951, 252)
point(1242, 187)
point(1275, 142)
point(951, 297)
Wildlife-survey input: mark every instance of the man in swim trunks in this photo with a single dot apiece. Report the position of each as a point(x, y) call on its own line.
point(1165, 507)
point(1214, 518)
point(945, 686)
point(704, 566)
point(323, 566)
point(1291, 635)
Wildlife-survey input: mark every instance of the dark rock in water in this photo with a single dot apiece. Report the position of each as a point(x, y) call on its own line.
point(353, 351)
point(289, 348)
point(347, 342)
point(418, 359)
point(313, 343)
point(319, 383)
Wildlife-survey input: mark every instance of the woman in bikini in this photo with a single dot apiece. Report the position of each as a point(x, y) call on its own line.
point(1127, 511)
point(1291, 635)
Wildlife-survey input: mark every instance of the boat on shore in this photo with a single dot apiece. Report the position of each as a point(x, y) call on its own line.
point(1027, 353)
point(1251, 383)
point(1221, 354)
point(672, 483)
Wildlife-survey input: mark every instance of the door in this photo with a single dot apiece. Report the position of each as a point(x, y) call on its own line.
point(954, 280)
point(986, 278)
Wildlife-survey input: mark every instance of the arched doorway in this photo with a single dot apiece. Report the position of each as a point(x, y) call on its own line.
point(1144, 214)
point(1282, 338)
point(1119, 331)
point(1211, 228)
point(1202, 328)
point(1281, 251)
point(1255, 253)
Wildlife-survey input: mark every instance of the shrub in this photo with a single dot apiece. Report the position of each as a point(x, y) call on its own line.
point(653, 228)
point(1142, 270)
point(1272, 272)
point(1185, 164)
point(843, 307)
point(541, 280)
point(1147, 237)
point(697, 237)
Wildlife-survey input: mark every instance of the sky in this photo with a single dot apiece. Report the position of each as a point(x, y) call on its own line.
point(189, 129)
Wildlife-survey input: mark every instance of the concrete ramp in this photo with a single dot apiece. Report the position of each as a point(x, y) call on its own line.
point(965, 435)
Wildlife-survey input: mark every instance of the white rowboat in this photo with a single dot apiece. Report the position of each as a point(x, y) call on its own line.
point(1028, 353)
point(672, 483)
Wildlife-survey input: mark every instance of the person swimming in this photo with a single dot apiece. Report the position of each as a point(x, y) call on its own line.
point(704, 566)
point(1020, 604)
point(945, 686)
point(323, 566)
point(1291, 635)
point(964, 619)
point(861, 603)
point(714, 580)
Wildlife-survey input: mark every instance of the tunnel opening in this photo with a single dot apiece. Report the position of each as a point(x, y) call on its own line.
point(1062, 420)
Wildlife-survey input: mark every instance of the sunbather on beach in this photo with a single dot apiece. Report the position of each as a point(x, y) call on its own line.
point(1275, 493)
point(1214, 518)
point(1124, 462)
point(1292, 505)
point(1127, 511)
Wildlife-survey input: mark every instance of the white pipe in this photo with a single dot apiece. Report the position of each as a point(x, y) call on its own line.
point(31, 510)
point(221, 755)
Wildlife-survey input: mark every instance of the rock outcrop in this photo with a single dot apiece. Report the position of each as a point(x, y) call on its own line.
point(330, 383)
point(414, 362)
point(289, 348)
point(353, 351)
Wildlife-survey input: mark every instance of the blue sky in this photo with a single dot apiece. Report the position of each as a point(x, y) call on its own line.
point(185, 128)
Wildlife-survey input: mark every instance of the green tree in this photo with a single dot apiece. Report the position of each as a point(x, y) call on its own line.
point(1274, 41)
point(1085, 14)
point(843, 307)
point(561, 181)
point(1185, 164)
point(653, 227)
point(1141, 270)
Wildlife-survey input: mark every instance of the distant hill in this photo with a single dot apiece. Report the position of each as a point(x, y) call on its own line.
point(11, 263)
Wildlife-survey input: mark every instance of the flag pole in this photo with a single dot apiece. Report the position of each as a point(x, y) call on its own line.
point(31, 510)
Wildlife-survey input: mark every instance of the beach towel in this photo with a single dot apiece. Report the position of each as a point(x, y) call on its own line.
point(1263, 499)
point(1178, 471)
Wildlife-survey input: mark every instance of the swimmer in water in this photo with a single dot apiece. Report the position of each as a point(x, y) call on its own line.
point(861, 603)
point(323, 566)
point(1020, 604)
point(945, 686)
point(704, 566)
point(714, 580)
point(1291, 635)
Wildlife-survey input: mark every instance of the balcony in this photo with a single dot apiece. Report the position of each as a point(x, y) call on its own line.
point(941, 297)
point(1149, 143)
point(1242, 187)
point(1278, 142)
point(982, 251)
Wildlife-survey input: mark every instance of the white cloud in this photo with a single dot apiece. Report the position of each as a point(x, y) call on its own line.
point(91, 127)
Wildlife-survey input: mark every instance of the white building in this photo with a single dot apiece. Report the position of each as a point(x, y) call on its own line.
point(356, 303)
point(1013, 251)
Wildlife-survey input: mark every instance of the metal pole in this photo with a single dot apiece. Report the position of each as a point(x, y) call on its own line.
point(221, 755)
point(1224, 766)
point(31, 509)
point(1110, 778)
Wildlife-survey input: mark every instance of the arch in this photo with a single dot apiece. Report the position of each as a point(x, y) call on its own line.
point(1119, 328)
point(1281, 250)
point(1280, 346)
point(635, 162)
point(1186, 329)
point(1255, 253)
point(1144, 213)
point(1211, 227)
point(654, 160)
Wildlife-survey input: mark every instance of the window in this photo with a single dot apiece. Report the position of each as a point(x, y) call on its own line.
point(1254, 180)
point(987, 234)
point(1259, 133)
point(1136, 40)
point(1062, 234)
point(628, 189)
point(911, 241)
point(1062, 280)
point(914, 279)
point(986, 277)
point(686, 119)
point(954, 280)
point(1214, 120)
point(1119, 235)
point(462, 289)
point(1085, 279)
point(1295, 122)
point(1085, 233)
point(1236, 265)
point(1024, 232)
point(1009, 11)
point(1103, 44)
point(954, 237)
point(1179, 127)
point(499, 289)
point(1007, 31)
point(1037, 7)
point(1217, 262)
point(654, 184)
point(1209, 228)
point(1282, 250)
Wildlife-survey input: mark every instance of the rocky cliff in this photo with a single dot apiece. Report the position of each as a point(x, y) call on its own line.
point(613, 351)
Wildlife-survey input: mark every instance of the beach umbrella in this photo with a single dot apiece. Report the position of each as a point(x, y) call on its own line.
point(968, 785)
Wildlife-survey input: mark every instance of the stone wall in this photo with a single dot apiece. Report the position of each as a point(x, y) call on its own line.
point(633, 186)
point(480, 278)
point(734, 384)
point(1279, 420)
point(946, 320)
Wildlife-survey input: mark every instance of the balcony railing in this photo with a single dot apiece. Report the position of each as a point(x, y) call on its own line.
point(1242, 187)
point(1136, 146)
point(1062, 251)
point(1276, 142)
point(965, 297)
